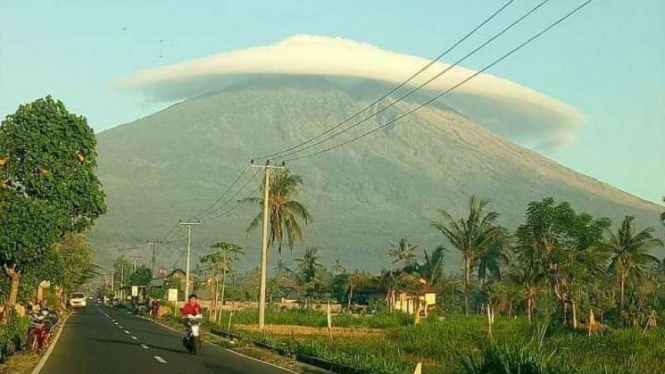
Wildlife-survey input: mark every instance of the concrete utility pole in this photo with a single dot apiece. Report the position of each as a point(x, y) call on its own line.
point(264, 240)
point(135, 258)
point(189, 244)
point(152, 258)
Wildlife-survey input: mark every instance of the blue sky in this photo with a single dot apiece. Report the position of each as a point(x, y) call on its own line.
point(608, 61)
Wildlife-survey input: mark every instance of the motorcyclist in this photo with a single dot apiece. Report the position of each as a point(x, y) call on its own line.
point(192, 307)
point(190, 310)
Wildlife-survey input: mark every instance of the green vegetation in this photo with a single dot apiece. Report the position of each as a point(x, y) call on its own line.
point(284, 211)
point(49, 196)
point(566, 293)
point(141, 276)
point(459, 344)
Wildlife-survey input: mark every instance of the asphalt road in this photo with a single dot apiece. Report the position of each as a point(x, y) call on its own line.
point(110, 341)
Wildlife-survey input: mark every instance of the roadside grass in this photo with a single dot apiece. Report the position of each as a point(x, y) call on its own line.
point(458, 344)
point(20, 363)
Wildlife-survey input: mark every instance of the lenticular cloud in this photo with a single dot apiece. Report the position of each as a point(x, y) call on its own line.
point(504, 107)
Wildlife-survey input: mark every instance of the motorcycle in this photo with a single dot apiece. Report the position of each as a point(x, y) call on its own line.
point(192, 338)
point(40, 329)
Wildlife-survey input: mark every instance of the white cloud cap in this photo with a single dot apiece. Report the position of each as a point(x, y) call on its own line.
point(504, 107)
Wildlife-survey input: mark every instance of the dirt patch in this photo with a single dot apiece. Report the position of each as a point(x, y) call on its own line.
point(296, 330)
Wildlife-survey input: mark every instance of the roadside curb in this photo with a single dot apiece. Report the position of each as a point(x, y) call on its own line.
point(46, 355)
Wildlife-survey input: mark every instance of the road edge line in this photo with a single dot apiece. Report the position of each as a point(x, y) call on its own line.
point(45, 357)
point(226, 349)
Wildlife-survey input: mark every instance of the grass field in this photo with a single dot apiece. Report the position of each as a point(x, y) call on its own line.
point(458, 344)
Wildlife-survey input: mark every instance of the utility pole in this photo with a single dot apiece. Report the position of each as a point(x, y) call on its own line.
point(264, 240)
point(152, 258)
point(135, 258)
point(189, 244)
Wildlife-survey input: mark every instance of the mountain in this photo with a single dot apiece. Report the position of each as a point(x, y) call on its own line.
point(174, 163)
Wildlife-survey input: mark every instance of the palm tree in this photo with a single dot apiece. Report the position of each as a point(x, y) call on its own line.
point(490, 261)
point(432, 269)
point(528, 272)
point(403, 251)
point(284, 212)
point(337, 268)
point(631, 256)
point(219, 261)
point(471, 236)
point(309, 267)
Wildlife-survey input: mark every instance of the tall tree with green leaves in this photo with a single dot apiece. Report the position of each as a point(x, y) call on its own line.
point(308, 270)
point(48, 159)
point(567, 246)
point(220, 262)
point(403, 252)
point(141, 277)
point(471, 235)
point(631, 257)
point(27, 229)
point(308, 265)
point(355, 280)
point(74, 262)
point(285, 214)
point(432, 267)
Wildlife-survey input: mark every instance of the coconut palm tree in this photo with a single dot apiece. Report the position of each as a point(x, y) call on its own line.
point(284, 211)
point(308, 269)
point(403, 251)
point(432, 268)
point(490, 261)
point(631, 257)
point(308, 265)
point(220, 261)
point(471, 236)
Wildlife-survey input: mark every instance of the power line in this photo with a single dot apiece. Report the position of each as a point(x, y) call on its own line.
point(490, 40)
point(237, 203)
point(237, 178)
point(393, 90)
point(229, 200)
point(525, 43)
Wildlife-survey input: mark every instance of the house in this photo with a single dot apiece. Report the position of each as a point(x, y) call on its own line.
point(410, 302)
point(176, 279)
point(368, 295)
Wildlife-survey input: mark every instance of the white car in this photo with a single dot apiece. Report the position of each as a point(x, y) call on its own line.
point(77, 300)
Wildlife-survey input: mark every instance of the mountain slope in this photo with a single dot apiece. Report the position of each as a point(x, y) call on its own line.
point(174, 163)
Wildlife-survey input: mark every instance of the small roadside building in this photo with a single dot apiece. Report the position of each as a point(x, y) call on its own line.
point(410, 302)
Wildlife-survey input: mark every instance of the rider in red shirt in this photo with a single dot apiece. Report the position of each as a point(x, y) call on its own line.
point(192, 307)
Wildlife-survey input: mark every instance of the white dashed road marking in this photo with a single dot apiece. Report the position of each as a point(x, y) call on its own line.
point(144, 346)
point(126, 332)
point(135, 338)
point(160, 360)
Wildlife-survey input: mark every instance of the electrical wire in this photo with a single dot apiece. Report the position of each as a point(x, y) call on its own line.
point(393, 90)
point(419, 87)
point(238, 203)
point(230, 199)
point(237, 178)
point(522, 45)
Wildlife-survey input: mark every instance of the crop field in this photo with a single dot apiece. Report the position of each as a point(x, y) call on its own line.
point(457, 344)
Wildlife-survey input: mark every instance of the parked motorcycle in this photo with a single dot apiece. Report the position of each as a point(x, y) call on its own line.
point(192, 338)
point(41, 327)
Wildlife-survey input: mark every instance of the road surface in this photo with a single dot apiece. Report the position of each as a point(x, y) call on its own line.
point(109, 341)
